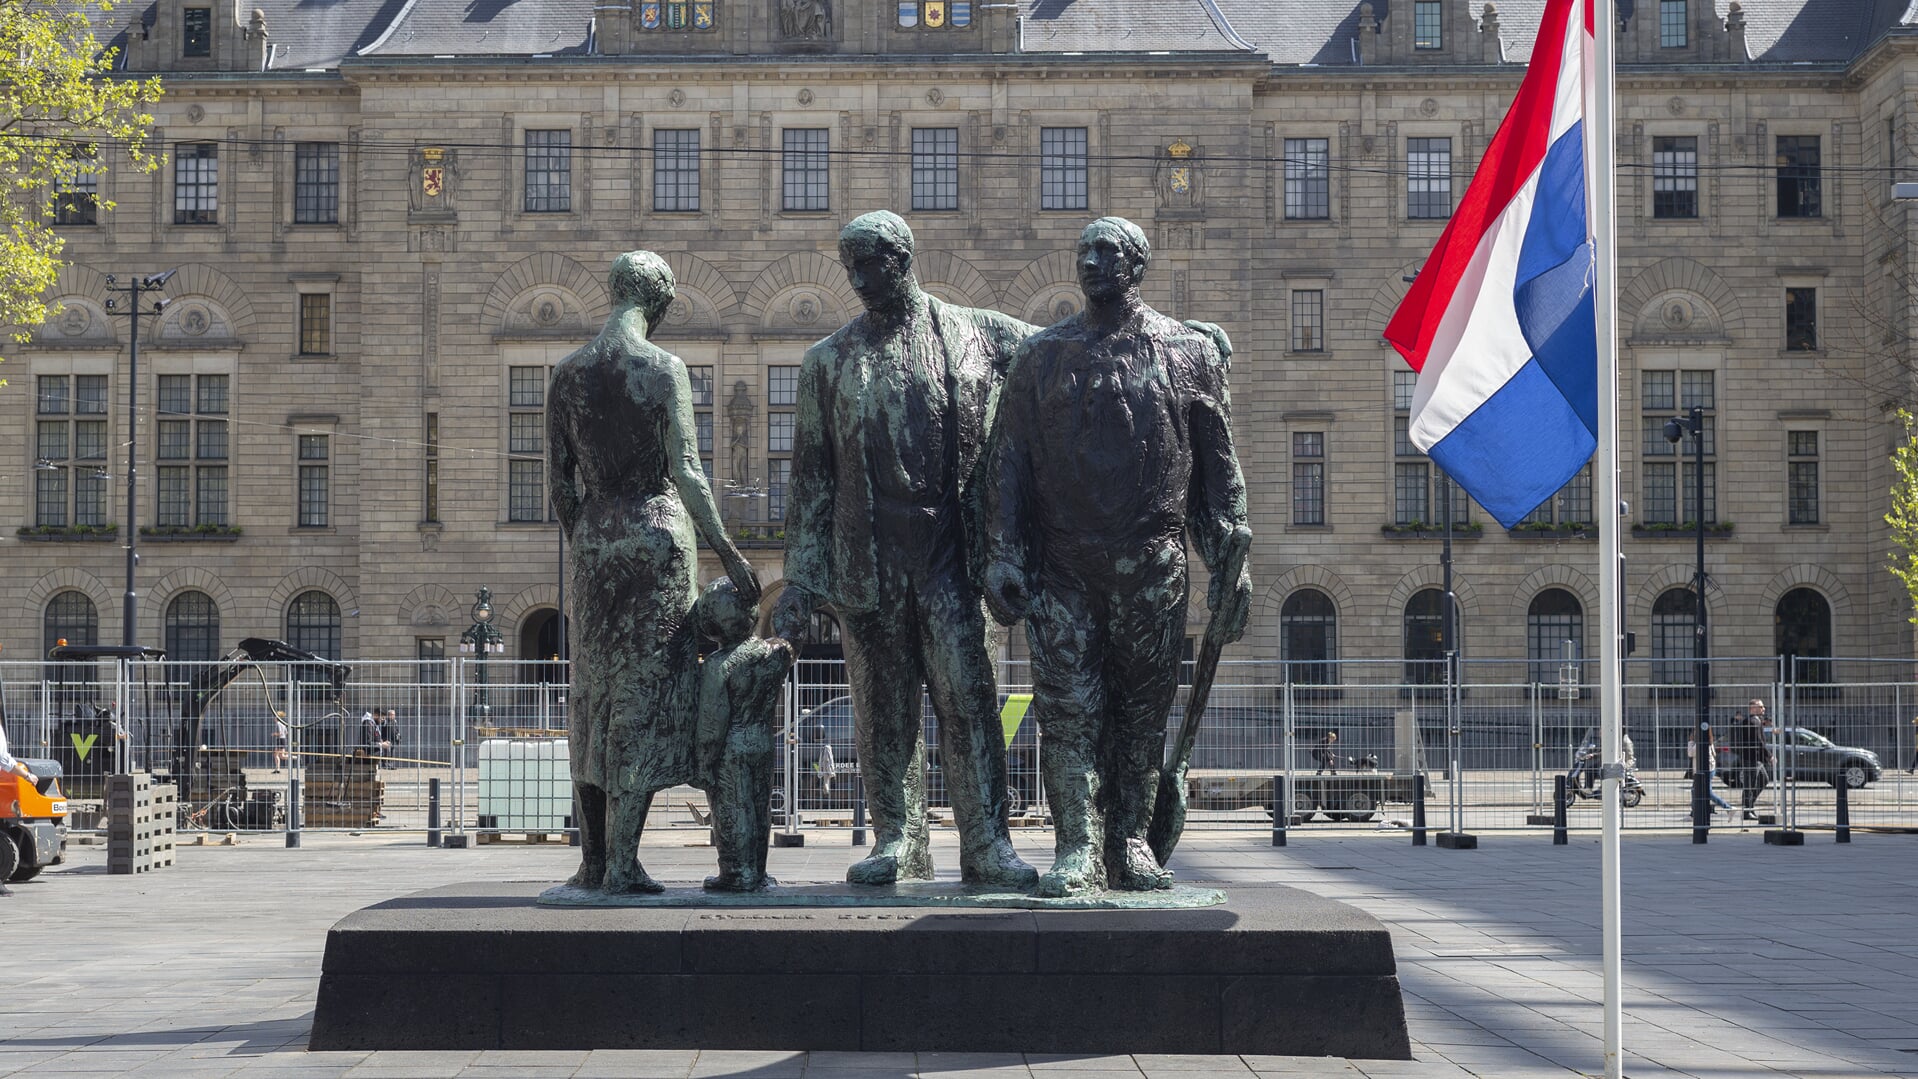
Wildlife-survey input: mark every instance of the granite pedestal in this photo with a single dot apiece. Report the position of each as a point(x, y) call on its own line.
point(1273, 970)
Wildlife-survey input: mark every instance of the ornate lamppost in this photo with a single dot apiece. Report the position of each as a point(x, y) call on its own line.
point(481, 639)
point(1678, 427)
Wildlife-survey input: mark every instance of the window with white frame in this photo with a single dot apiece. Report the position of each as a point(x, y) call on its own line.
point(1675, 176)
point(1428, 24)
point(1428, 178)
point(314, 483)
point(70, 448)
point(782, 397)
point(1673, 28)
point(196, 183)
point(549, 171)
point(190, 451)
point(526, 441)
point(1668, 495)
point(1308, 179)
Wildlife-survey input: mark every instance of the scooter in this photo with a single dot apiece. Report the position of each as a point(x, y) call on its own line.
point(1581, 780)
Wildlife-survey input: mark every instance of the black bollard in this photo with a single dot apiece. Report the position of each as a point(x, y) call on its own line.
point(1844, 811)
point(293, 813)
point(859, 810)
point(1559, 837)
point(1281, 811)
point(432, 812)
point(1418, 809)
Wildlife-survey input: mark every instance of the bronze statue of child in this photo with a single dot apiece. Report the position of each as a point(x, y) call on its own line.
point(738, 702)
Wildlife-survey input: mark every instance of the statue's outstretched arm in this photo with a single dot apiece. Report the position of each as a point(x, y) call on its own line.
point(682, 445)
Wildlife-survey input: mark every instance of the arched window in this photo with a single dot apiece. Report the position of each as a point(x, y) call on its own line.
point(1425, 637)
point(313, 623)
point(192, 628)
point(1308, 638)
point(1554, 617)
point(1672, 636)
point(70, 616)
point(1801, 632)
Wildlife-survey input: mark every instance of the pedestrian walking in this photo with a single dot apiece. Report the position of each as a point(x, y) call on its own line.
point(373, 742)
point(1746, 740)
point(1327, 754)
point(1711, 767)
point(280, 735)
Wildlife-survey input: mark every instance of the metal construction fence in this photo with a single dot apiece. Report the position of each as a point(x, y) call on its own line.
point(277, 746)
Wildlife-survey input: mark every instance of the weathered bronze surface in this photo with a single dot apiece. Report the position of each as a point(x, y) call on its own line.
point(890, 423)
point(738, 701)
point(630, 493)
point(1112, 439)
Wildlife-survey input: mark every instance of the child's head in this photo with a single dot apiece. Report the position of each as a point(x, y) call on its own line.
point(723, 615)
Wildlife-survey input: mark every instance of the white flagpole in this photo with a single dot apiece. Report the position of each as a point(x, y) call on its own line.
point(1599, 136)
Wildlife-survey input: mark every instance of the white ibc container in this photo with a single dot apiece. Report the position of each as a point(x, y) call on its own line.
point(525, 785)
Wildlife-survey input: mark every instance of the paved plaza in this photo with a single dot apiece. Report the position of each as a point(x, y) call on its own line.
point(1741, 959)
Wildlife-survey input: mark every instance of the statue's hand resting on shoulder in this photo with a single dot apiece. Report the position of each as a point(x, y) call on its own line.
point(745, 581)
point(1007, 594)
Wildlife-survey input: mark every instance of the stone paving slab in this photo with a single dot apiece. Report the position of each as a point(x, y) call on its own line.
point(1741, 959)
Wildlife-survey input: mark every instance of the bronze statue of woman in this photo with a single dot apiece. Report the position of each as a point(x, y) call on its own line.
point(630, 493)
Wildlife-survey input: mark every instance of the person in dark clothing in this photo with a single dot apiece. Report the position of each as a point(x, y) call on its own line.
point(1745, 738)
point(1327, 754)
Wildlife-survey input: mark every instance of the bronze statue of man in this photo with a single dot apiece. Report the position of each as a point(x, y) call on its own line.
point(630, 493)
point(890, 422)
point(1112, 439)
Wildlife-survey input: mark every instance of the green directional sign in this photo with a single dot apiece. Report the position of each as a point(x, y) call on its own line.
point(1014, 713)
point(83, 745)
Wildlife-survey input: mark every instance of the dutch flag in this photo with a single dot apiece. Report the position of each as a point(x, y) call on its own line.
point(1499, 321)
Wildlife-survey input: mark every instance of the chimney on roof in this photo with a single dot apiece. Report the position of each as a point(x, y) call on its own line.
point(1494, 49)
point(1735, 27)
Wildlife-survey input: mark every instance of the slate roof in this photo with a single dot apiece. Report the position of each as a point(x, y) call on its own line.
point(488, 28)
point(1125, 26)
point(320, 33)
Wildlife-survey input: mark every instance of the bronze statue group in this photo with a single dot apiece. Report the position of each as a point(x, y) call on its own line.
point(947, 462)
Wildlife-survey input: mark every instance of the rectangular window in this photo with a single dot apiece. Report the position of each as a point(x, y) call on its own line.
point(1675, 176)
point(676, 171)
point(1801, 320)
point(1673, 29)
point(313, 481)
point(935, 168)
point(805, 168)
point(782, 386)
point(1308, 477)
point(1800, 180)
point(1428, 178)
point(70, 477)
point(782, 392)
point(1308, 320)
point(77, 202)
point(1428, 30)
point(526, 443)
point(1308, 179)
point(196, 183)
point(316, 324)
point(701, 380)
point(1570, 505)
point(196, 31)
point(192, 483)
point(430, 652)
point(1802, 476)
point(1064, 182)
point(1416, 498)
point(1669, 481)
point(549, 171)
point(779, 475)
point(316, 183)
point(430, 497)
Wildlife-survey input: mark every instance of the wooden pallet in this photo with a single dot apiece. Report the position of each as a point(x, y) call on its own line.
point(520, 837)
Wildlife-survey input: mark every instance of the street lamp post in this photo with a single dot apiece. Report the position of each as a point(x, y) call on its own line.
point(135, 288)
point(1693, 424)
point(481, 639)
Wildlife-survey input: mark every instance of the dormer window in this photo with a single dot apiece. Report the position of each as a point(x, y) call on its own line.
point(197, 32)
point(1672, 24)
point(1427, 24)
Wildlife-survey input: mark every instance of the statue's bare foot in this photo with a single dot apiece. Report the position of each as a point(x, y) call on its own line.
point(1072, 874)
point(891, 863)
point(635, 882)
point(591, 876)
point(1139, 871)
point(1001, 867)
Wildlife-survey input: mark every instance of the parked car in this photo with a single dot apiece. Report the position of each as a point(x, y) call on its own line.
point(1810, 757)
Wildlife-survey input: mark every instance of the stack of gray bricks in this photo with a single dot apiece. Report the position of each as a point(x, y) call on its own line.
point(140, 816)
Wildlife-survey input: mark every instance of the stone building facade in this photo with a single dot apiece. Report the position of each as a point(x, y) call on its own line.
point(387, 228)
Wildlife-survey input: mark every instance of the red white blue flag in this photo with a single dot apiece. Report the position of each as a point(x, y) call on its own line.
point(1499, 321)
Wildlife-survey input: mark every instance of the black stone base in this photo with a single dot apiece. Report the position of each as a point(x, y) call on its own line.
point(1785, 838)
point(1458, 841)
point(1272, 971)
